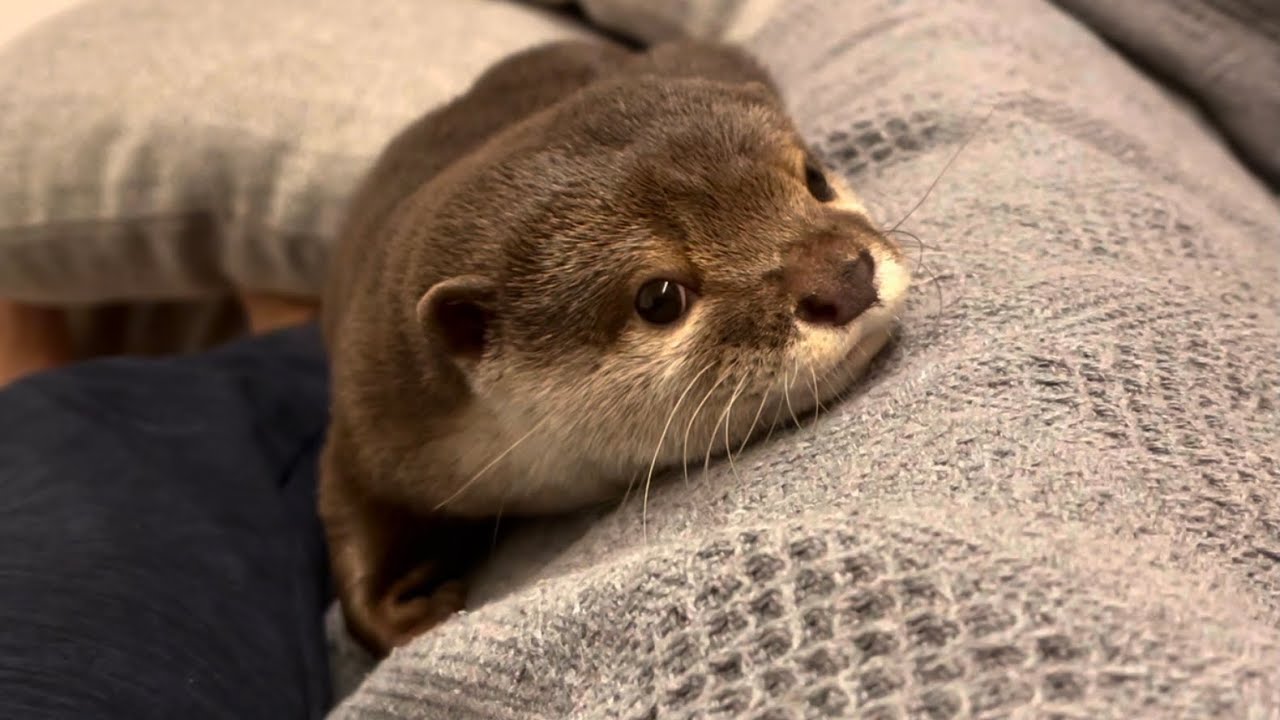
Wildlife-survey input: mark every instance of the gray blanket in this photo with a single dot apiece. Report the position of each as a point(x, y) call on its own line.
point(1055, 497)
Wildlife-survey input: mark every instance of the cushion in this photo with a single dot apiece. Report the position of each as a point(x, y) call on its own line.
point(1054, 496)
point(159, 544)
point(160, 150)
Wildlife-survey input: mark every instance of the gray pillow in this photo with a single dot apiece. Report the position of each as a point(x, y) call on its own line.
point(161, 150)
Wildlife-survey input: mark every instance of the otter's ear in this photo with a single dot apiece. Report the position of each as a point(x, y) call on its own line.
point(457, 315)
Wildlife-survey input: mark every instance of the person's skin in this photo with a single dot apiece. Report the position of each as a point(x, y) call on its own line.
point(34, 338)
point(268, 312)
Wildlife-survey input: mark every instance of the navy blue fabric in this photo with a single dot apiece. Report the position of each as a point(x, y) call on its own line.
point(160, 554)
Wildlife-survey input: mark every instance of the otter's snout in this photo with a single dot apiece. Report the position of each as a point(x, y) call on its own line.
point(829, 286)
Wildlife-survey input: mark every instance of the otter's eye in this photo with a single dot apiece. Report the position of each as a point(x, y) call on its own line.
point(817, 183)
point(661, 302)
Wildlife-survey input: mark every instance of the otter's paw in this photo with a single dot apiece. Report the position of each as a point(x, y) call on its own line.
point(409, 609)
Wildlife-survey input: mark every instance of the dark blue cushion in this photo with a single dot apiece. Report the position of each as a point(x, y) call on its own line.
point(160, 555)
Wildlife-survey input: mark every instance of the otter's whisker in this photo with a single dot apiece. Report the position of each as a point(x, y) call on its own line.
point(684, 448)
point(946, 167)
point(773, 424)
point(764, 397)
point(644, 513)
point(786, 389)
point(817, 398)
point(630, 484)
point(937, 285)
point(497, 522)
point(865, 357)
point(831, 386)
point(919, 243)
point(923, 266)
point(536, 426)
point(726, 418)
point(923, 198)
point(777, 413)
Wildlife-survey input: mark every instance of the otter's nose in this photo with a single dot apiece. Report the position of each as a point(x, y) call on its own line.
point(836, 294)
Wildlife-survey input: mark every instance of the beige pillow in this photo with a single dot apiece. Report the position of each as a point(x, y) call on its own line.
point(160, 149)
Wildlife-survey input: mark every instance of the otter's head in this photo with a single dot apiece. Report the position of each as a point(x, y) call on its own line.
point(675, 272)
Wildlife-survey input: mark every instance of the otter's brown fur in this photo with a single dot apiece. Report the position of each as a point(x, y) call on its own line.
point(481, 315)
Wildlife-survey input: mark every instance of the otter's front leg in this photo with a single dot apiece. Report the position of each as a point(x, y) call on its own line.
point(397, 575)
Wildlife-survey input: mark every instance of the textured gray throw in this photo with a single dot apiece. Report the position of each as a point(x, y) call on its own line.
point(1056, 497)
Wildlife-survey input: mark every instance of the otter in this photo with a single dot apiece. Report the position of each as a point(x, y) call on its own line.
point(595, 264)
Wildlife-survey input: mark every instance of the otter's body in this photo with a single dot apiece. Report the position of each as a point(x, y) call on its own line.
point(594, 264)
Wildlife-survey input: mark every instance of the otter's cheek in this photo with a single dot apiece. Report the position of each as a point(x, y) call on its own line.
point(671, 355)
